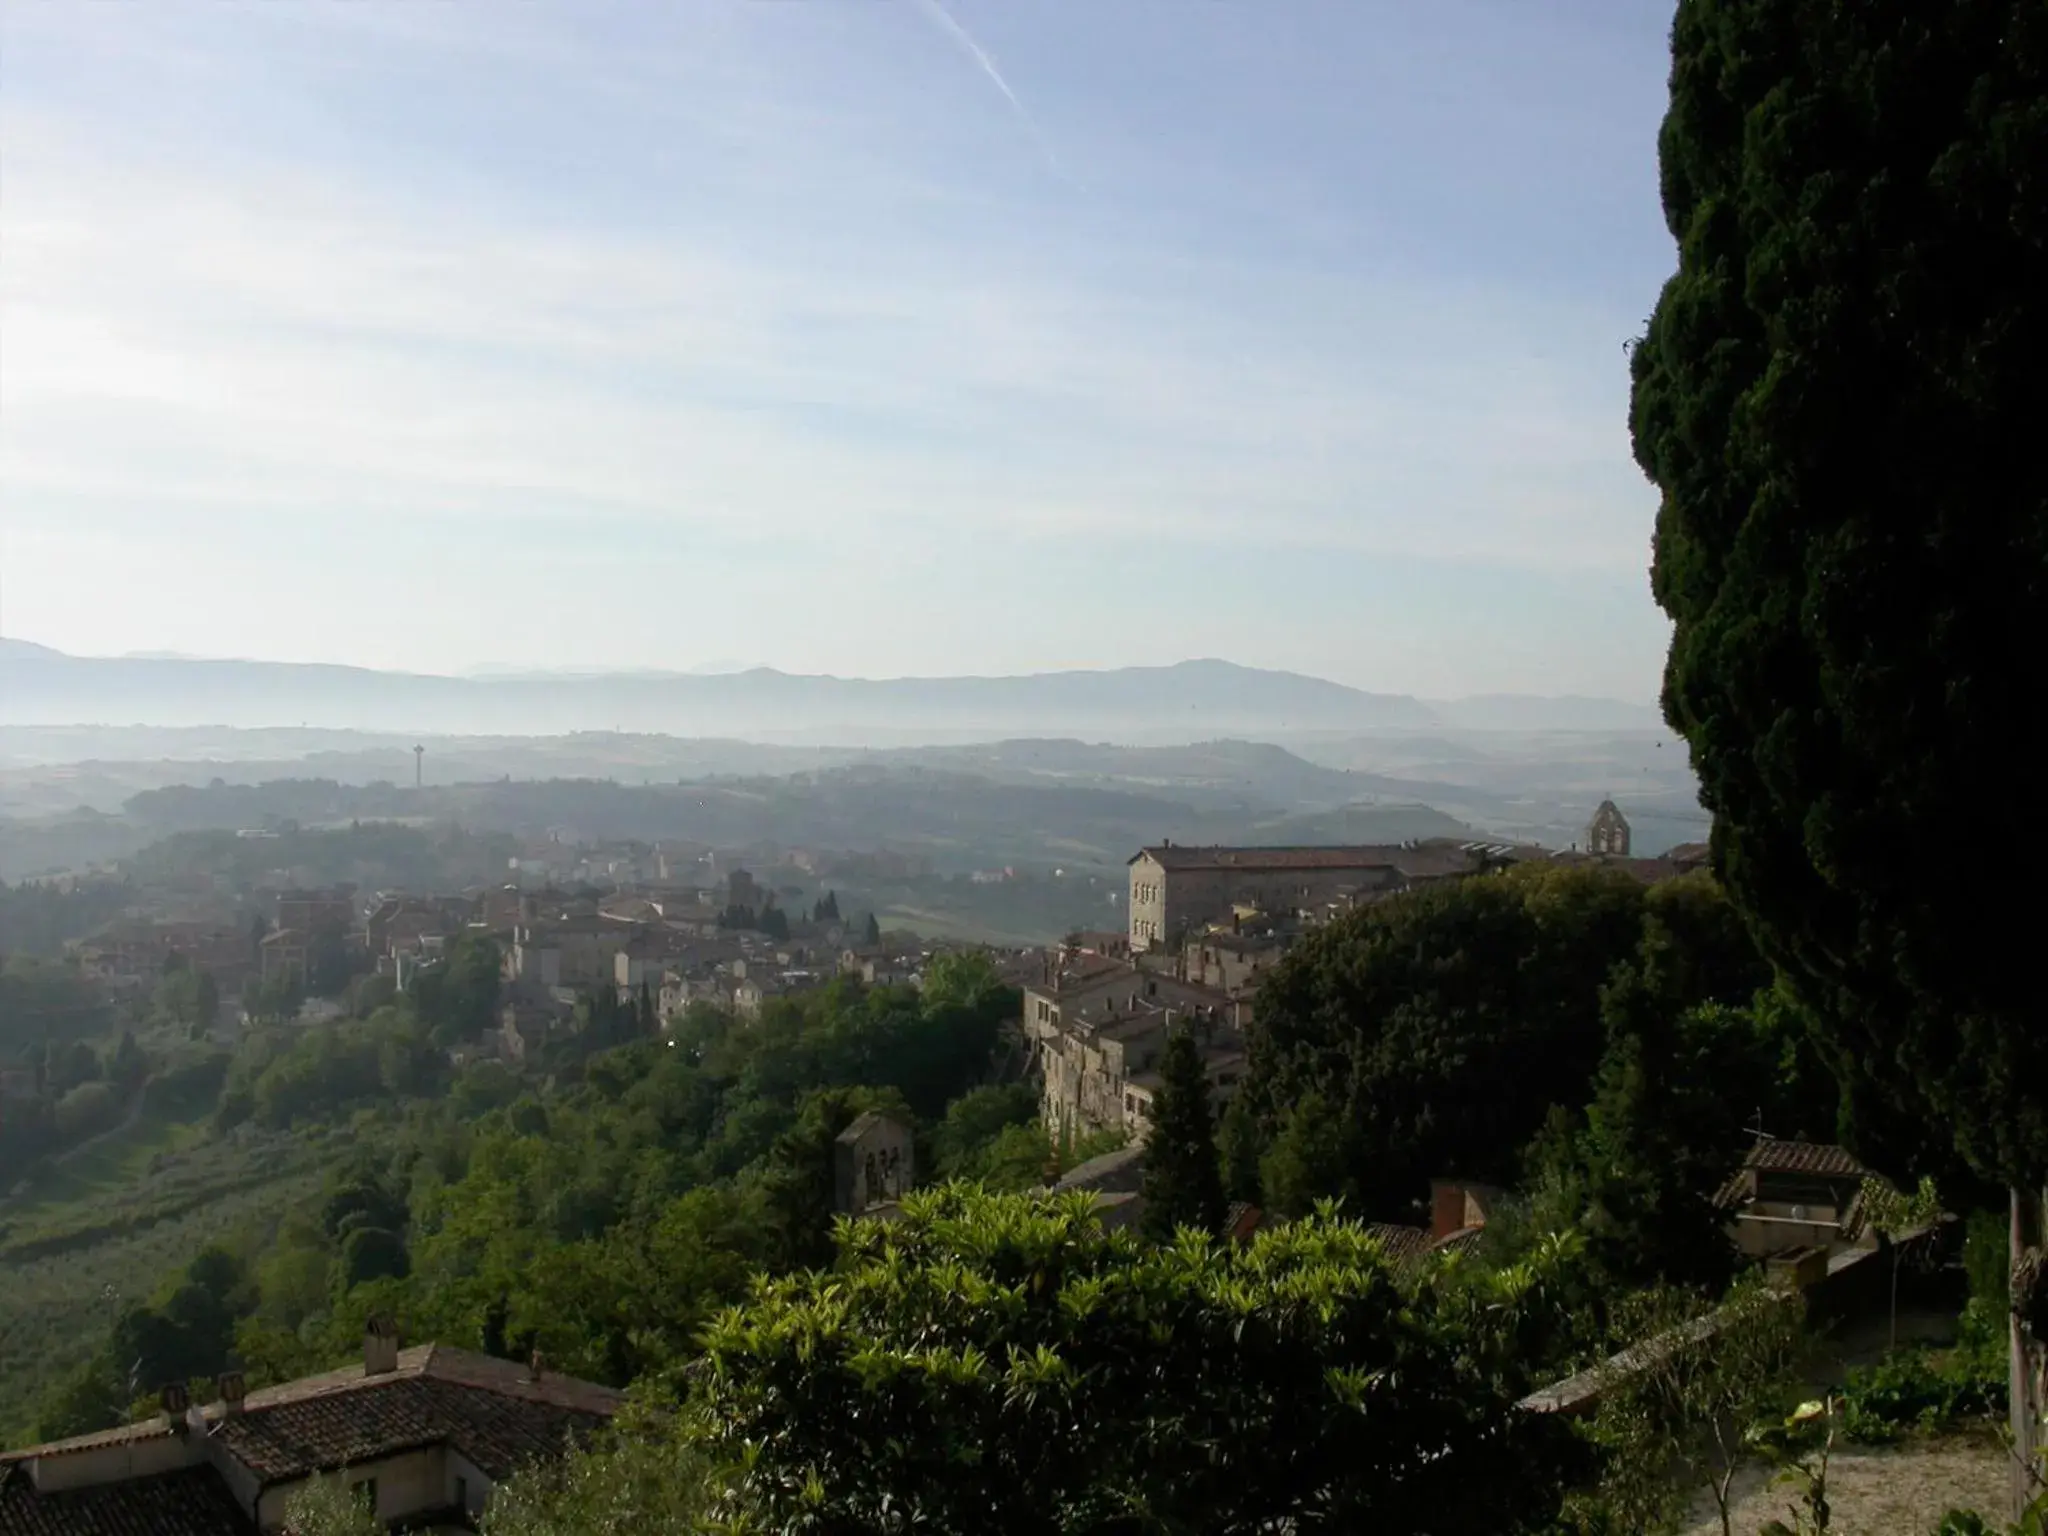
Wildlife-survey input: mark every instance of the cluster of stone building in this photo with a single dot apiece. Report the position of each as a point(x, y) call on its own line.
point(1206, 925)
point(674, 943)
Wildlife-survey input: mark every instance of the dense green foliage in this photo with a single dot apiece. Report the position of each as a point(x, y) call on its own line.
point(1431, 1034)
point(39, 917)
point(1920, 1388)
point(45, 1002)
point(598, 1213)
point(105, 1230)
point(1682, 1415)
point(1002, 1364)
point(1670, 1102)
point(1835, 398)
point(369, 854)
point(1183, 1177)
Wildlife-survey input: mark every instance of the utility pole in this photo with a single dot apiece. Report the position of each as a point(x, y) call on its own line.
point(419, 755)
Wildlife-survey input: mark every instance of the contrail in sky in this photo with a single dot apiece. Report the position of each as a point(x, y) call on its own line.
point(942, 18)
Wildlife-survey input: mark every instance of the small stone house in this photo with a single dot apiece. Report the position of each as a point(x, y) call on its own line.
point(422, 1435)
point(873, 1163)
point(1791, 1195)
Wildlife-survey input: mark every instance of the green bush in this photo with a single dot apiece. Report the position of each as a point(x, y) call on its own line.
point(1920, 1389)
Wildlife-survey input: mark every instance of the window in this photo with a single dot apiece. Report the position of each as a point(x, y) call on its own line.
point(366, 1491)
point(462, 1493)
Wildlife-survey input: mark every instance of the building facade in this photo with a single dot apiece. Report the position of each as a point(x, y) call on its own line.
point(1176, 891)
point(874, 1162)
point(1608, 833)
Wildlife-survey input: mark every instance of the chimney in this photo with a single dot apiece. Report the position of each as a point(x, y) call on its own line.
point(534, 1366)
point(176, 1401)
point(380, 1346)
point(1446, 1208)
point(233, 1388)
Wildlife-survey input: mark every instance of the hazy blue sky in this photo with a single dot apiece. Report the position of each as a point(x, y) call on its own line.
point(859, 336)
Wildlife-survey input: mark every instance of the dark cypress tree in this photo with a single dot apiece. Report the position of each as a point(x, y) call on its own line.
point(1240, 1147)
point(1836, 397)
point(1183, 1175)
point(874, 930)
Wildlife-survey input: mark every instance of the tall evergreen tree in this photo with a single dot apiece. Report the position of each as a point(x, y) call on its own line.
point(1183, 1175)
point(1835, 397)
point(1238, 1143)
point(1308, 1160)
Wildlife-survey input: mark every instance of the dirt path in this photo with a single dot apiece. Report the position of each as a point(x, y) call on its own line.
point(1897, 1492)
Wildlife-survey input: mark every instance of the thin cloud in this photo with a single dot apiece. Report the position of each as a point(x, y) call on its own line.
point(944, 20)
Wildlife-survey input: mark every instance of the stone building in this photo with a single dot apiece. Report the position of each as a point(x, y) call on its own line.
point(319, 912)
point(1608, 832)
point(873, 1163)
point(1176, 891)
point(1790, 1195)
point(1229, 961)
point(1095, 1046)
point(422, 1435)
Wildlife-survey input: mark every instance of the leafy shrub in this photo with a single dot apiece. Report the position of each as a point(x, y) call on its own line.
point(1919, 1389)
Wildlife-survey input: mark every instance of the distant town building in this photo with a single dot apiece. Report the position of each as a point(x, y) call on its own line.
point(317, 912)
point(1176, 890)
point(1095, 1029)
point(1608, 832)
point(742, 890)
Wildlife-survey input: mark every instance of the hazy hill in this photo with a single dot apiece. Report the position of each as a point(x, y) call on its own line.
point(1191, 700)
point(1528, 712)
point(1195, 698)
point(958, 821)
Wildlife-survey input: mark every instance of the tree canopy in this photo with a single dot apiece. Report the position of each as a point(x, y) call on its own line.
point(1001, 1364)
point(1429, 1034)
point(1835, 396)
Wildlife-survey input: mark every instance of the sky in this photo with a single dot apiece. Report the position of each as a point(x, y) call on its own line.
point(870, 337)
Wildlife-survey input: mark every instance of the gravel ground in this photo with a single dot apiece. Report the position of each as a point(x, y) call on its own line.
point(1901, 1491)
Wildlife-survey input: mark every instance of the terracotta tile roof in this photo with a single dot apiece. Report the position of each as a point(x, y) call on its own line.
point(193, 1502)
point(1457, 1242)
point(313, 1434)
point(1406, 1247)
point(1241, 1220)
point(1814, 1159)
point(492, 1410)
point(1121, 1171)
point(1770, 1155)
point(152, 1428)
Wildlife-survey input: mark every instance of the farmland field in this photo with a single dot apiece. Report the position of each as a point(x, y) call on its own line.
point(104, 1230)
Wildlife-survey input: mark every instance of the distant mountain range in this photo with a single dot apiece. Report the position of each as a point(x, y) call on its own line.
point(1194, 700)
